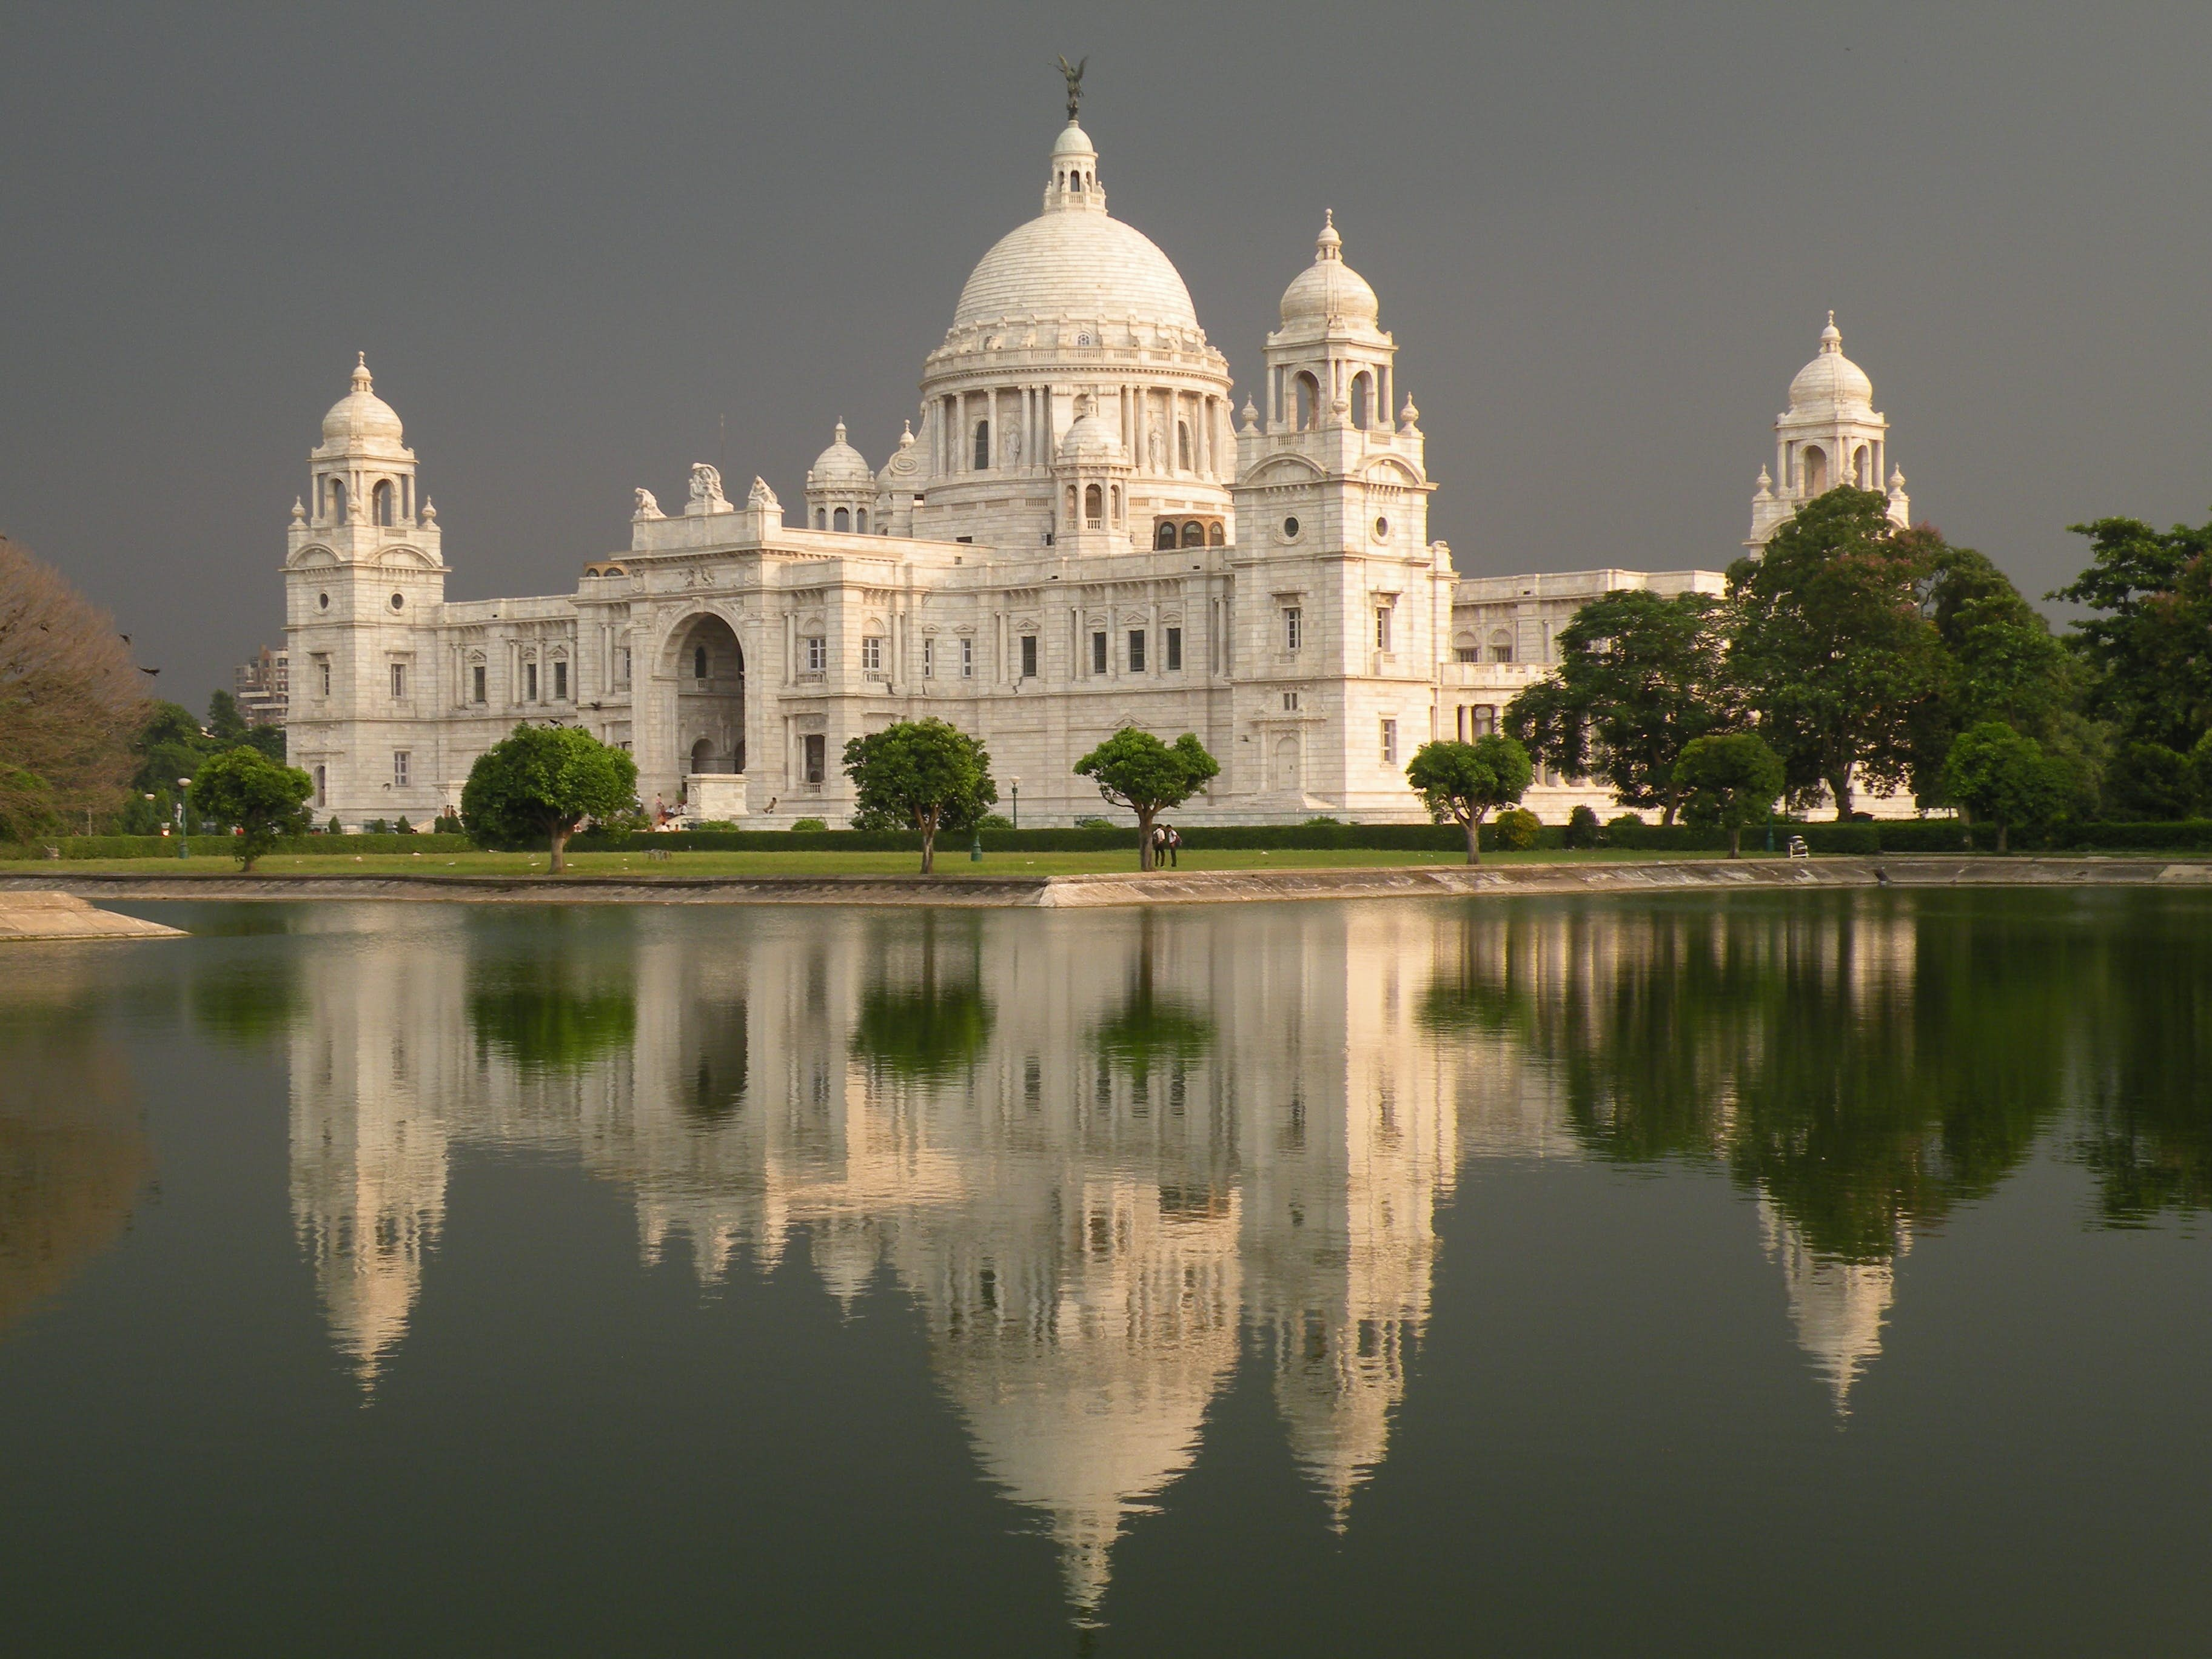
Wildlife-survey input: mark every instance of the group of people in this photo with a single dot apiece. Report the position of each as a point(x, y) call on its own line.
point(1167, 841)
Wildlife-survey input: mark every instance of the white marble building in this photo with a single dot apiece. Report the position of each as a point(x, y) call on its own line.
point(1083, 531)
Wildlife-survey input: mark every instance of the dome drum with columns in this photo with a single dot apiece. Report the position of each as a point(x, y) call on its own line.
point(1084, 528)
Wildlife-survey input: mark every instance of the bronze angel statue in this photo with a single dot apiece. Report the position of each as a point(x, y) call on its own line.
point(1074, 74)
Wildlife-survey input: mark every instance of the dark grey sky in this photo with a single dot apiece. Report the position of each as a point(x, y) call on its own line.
point(571, 238)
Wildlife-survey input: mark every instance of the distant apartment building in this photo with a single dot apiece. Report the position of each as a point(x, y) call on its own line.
point(263, 688)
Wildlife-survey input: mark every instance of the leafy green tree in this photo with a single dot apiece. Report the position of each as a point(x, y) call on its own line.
point(544, 781)
point(1997, 775)
point(1831, 647)
point(1134, 769)
point(266, 801)
point(224, 723)
point(1639, 676)
point(1997, 660)
point(2150, 782)
point(922, 774)
point(2151, 594)
point(1736, 777)
point(1465, 782)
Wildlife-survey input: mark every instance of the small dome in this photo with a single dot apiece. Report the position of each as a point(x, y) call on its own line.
point(903, 463)
point(1091, 442)
point(1073, 141)
point(1329, 290)
point(841, 465)
point(362, 416)
point(1831, 380)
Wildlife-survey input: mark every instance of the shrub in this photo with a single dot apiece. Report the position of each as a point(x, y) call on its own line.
point(994, 821)
point(403, 828)
point(334, 828)
point(1096, 823)
point(1584, 828)
point(810, 823)
point(1517, 829)
point(1323, 817)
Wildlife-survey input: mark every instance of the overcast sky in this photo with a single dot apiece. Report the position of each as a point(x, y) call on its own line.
point(571, 239)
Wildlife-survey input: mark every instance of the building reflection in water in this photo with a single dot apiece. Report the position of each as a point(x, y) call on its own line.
point(1098, 1149)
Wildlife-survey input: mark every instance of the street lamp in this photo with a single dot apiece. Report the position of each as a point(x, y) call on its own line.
point(1015, 784)
point(183, 845)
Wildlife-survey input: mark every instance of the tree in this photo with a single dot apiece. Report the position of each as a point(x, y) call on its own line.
point(1134, 769)
point(243, 787)
point(1639, 676)
point(1997, 774)
point(544, 781)
point(1734, 776)
point(2147, 781)
point(1831, 647)
point(70, 700)
point(2147, 644)
point(1465, 782)
point(923, 775)
point(1997, 660)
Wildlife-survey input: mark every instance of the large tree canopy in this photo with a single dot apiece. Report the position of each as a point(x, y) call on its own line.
point(2148, 641)
point(244, 787)
point(71, 699)
point(545, 781)
point(1831, 647)
point(1735, 776)
point(1134, 769)
point(1639, 677)
point(920, 774)
point(2000, 775)
point(1465, 782)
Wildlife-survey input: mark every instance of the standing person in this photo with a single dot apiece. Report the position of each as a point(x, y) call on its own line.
point(1175, 847)
point(1159, 843)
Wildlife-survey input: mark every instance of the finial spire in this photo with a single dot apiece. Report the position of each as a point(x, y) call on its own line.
point(1329, 244)
point(1832, 337)
point(361, 379)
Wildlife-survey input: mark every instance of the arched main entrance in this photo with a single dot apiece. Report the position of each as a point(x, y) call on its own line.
point(710, 699)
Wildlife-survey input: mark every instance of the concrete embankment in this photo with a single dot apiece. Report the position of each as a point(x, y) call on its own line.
point(1158, 887)
point(43, 913)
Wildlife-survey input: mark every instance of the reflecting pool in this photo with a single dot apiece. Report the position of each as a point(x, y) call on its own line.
point(1806, 1273)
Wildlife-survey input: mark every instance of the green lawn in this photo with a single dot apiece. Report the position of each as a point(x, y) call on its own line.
point(950, 862)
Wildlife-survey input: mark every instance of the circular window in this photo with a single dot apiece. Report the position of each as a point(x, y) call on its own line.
point(399, 600)
point(1289, 527)
point(1382, 530)
point(322, 601)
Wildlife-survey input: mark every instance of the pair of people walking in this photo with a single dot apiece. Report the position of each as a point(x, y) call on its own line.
point(1167, 843)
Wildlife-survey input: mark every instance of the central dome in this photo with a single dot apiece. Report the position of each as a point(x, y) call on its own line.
point(1832, 381)
point(1075, 260)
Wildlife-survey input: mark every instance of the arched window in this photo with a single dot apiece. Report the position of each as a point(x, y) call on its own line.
point(380, 501)
point(860, 519)
point(1194, 534)
point(1071, 503)
point(982, 445)
point(322, 781)
point(1501, 647)
point(1214, 537)
point(844, 521)
point(702, 756)
point(338, 500)
point(1094, 506)
point(821, 518)
point(1362, 400)
point(1859, 468)
point(698, 665)
point(1164, 537)
point(1182, 444)
point(1816, 471)
point(1309, 392)
point(1117, 503)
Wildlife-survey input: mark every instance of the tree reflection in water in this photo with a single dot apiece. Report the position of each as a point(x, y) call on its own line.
point(557, 1009)
point(930, 1028)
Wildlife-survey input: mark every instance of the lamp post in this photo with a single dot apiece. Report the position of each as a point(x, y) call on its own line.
point(184, 843)
point(1015, 784)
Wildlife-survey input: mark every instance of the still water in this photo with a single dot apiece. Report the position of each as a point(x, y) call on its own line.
point(1796, 1272)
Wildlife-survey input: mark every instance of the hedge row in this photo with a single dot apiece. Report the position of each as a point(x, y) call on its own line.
point(223, 846)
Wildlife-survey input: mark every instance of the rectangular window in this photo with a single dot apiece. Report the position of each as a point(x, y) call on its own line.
point(1466, 653)
point(1029, 657)
point(324, 664)
point(872, 654)
point(322, 783)
point(967, 659)
point(561, 681)
point(1290, 702)
point(399, 759)
point(1293, 627)
point(1136, 651)
point(530, 682)
point(476, 682)
point(1389, 743)
point(814, 745)
point(621, 667)
point(1175, 651)
point(928, 657)
point(1099, 654)
point(817, 654)
point(1485, 719)
point(1381, 627)
point(398, 680)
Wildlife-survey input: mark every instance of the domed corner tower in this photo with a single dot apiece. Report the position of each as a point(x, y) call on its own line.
point(1072, 306)
point(1831, 435)
point(1351, 605)
point(364, 583)
point(839, 489)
